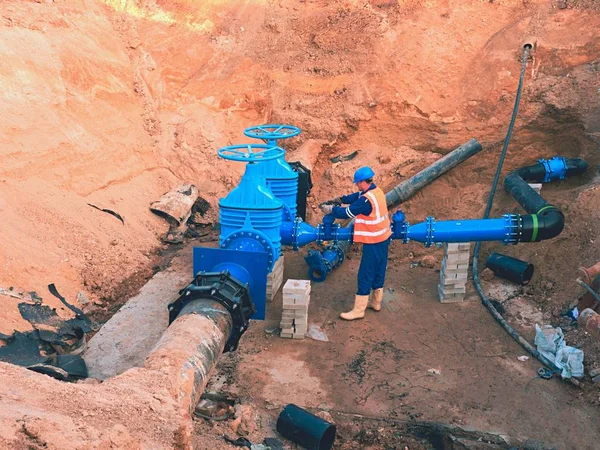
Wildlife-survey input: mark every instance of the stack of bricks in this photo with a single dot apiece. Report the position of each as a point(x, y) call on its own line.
point(275, 279)
point(454, 273)
point(294, 318)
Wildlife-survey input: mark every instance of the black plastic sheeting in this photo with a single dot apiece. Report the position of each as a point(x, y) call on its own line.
point(46, 349)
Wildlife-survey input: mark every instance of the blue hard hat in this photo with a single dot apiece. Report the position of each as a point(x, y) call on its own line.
point(362, 174)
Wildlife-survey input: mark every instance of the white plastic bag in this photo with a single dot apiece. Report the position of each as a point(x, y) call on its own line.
point(550, 342)
point(315, 333)
point(570, 360)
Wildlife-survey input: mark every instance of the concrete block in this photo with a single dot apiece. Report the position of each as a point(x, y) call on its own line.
point(293, 314)
point(275, 279)
point(300, 328)
point(448, 268)
point(456, 298)
point(294, 307)
point(455, 251)
point(285, 335)
point(300, 287)
point(297, 336)
point(537, 187)
point(449, 298)
point(457, 258)
point(446, 290)
point(456, 276)
point(450, 283)
point(295, 299)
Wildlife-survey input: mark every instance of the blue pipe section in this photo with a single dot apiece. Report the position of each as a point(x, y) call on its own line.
point(298, 233)
point(236, 271)
point(504, 229)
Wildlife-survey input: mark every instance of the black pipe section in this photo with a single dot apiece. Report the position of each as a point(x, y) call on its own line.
point(410, 187)
point(546, 221)
point(305, 429)
point(512, 269)
point(537, 172)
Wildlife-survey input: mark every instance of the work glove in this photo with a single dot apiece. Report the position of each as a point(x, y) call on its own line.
point(335, 201)
point(327, 209)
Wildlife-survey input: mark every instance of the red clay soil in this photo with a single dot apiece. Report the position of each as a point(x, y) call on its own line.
point(113, 103)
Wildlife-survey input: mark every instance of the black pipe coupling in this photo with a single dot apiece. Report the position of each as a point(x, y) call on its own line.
point(224, 289)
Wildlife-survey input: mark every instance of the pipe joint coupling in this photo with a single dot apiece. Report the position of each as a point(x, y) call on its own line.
point(224, 289)
point(556, 168)
point(513, 223)
point(430, 231)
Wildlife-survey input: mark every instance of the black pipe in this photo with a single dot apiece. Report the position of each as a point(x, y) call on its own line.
point(537, 172)
point(525, 196)
point(306, 429)
point(405, 190)
point(546, 221)
point(512, 269)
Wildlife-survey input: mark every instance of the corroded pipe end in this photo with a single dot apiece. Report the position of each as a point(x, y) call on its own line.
point(530, 42)
point(590, 272)
point(589, 320)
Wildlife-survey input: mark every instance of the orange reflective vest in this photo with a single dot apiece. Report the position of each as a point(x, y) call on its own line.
point(375, 227)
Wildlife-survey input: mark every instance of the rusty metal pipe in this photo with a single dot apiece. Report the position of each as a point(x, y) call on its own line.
point(590, 272)
point(189, 349)
point(589, 320)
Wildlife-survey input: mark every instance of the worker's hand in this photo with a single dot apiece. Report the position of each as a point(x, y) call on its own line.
point(327, 209)
point(335, 201)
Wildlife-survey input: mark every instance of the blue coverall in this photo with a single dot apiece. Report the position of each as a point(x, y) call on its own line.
point(373, 264)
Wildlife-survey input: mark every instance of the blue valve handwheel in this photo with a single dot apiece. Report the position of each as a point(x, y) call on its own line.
point(272, 131)
point(250, 152)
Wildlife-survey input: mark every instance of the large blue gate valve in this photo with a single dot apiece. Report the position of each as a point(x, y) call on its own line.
point(272, 132)
point(250, 153)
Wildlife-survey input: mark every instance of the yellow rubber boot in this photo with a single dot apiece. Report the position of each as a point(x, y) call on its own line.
point(375, 303)
point(358, 312)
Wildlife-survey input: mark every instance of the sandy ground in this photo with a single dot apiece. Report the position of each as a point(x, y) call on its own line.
point(113, 103)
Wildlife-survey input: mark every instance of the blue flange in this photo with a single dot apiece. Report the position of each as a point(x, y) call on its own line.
point(251, 240)
point(556, 168)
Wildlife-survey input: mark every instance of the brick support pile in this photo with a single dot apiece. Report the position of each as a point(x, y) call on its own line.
point(454, 273)
point(275, 279)
point(294, 318)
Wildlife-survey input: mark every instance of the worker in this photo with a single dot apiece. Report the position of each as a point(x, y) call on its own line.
point(372, 228)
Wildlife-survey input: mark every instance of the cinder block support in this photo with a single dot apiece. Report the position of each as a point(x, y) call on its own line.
point(454, 272)
point(275, 279)
point(294, 318)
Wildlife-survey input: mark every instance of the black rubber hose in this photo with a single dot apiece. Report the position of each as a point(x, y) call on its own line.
point(526, 345)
